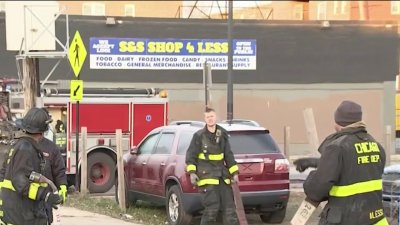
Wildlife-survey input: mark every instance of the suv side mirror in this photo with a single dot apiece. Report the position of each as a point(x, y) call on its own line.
point(134, 150)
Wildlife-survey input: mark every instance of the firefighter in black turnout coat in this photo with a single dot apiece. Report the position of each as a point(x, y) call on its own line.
point(212, 168)
point(349, 172)
point(23, 199)
point(54, 169)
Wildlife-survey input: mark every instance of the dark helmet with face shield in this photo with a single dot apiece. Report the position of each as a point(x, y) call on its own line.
point(35, 121)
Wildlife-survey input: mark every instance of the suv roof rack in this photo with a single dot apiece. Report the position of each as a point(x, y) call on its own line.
point(242, 121)
point(188, 122)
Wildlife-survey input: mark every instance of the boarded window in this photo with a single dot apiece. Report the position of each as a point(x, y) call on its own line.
point(321, 11)
point(395, 7)
point(93, 9)
point(130, 10)
point(298, 12)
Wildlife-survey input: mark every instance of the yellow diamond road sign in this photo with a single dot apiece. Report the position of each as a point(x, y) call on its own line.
point(77, 53)
point(76, 93)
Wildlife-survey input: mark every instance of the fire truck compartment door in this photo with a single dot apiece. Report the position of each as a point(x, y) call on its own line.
point(146, 117)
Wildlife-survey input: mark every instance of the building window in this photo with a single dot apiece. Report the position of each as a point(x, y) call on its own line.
point(93, 9)
point(298, 12)
point(321, 11)
point(340, 7)
point(2, 6)
point(395, 7)
point(130, 10)
point(343, 7)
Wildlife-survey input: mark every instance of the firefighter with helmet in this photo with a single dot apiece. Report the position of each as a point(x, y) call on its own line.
point(349, 172)
point(54, 169)
point(24, 200)
point(212, 167)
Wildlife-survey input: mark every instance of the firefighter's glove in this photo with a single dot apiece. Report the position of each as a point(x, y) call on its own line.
point(235, 178)
point(193, 179)
point(63, 193)
point(305, 163)
point(52, 199)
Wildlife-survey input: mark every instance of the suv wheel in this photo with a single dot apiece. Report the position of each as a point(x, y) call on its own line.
point(176, 213)
point(274, 217)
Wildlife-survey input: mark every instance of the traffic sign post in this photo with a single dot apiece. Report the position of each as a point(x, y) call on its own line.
point(77, 55)
point(76, 93)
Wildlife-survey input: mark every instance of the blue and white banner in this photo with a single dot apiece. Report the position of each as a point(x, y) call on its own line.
point(170, 54)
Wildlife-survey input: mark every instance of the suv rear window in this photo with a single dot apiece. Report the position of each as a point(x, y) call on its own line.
point(252, 142)
point(184, 142)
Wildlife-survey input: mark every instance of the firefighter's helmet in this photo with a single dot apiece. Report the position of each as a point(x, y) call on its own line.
point(36, 121)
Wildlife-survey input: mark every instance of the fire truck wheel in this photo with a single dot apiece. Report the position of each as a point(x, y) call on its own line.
point(100, 172)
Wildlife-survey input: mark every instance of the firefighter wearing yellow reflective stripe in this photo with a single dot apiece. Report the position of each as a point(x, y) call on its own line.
point(24, 200)
point(212, 168)
point(349, 172)
point(54, 169)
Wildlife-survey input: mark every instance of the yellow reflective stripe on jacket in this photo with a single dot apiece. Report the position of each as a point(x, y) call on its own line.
point(215, 157)
point(233, 169)
point(383, 221)
point(191, 167)
point(7, 184)
point(33, 190)
point(357, 188)
point(227, 181)
point(207, 181)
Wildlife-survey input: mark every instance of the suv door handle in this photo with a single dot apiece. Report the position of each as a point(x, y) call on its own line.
point(144, 163)
point(162, 164)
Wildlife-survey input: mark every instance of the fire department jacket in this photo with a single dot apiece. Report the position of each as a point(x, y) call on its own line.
point(210, 157)
point(55, 166)
point(349, 177)
point(23, 200)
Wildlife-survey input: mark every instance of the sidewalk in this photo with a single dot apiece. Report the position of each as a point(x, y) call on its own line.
point(72, 216)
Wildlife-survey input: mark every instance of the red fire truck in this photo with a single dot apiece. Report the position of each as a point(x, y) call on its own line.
point(102, 111)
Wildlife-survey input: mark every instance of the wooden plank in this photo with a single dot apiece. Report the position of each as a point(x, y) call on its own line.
point(388, 144)
point(286, 141)
point(307, 207)
point(239, 204)
point(120, 167)
point(84, 177)
point(311, 128)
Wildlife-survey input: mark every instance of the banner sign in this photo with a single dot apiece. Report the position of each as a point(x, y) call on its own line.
point(170, 54)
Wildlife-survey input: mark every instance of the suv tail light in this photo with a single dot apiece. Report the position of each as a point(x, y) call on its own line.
point(281, 166)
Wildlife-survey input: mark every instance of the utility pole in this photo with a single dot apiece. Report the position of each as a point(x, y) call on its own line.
point(30, 82)
point(230, 59)
point(207, 80)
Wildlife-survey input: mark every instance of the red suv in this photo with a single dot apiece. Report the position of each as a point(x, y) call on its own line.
point(155, 171)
